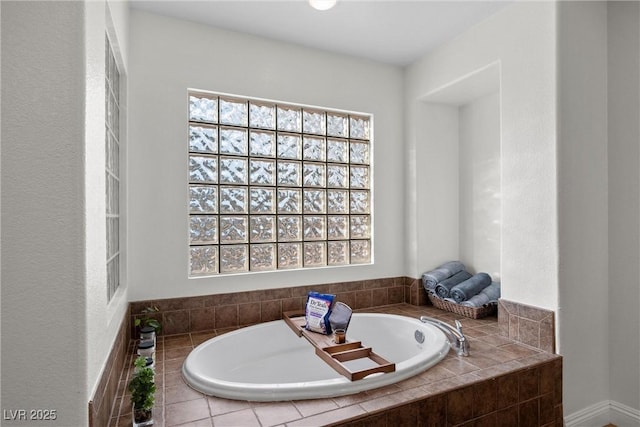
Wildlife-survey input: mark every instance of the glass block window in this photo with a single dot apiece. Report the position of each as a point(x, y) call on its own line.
point(112, 168)
point(276, 186)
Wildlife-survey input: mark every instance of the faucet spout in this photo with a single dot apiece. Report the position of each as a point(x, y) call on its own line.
point(454, 334)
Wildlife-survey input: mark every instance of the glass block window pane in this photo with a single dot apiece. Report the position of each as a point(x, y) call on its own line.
point(203, 199)
point(313, 175)
point(203, 109)
point(263, 144)
point(337, 176)
point(289, 201)
point(233, 200)
point(289, 119)
point(262, 172)
point(233, 229)
point(337, 227)
point(338, 253)
point(234, 258)
point(360, 202)
point(263, 200)
point(203, 169)
point(263, 257)
point(337, 201)
point(289, 146)
point(337, 151)
point(289, 255)
point(359, 177)
point(271, 186)
point(315, 227)
point(233, 170)
point(314, 122)
point(359, 127)
point(359, 153)
point(262, 115)
point(289, 228)
point(315, 254)
point(203, 260)
point(314, 201)
point(263, 229)
point(233, 141)
point(289, 174)
point(360, 226)
point(337, 125)
point(203, 139)
point(314, 149)
point(360, 251)
point(203, 229)
point(233, 112)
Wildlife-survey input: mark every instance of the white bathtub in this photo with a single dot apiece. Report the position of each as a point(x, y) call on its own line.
point(269, 362)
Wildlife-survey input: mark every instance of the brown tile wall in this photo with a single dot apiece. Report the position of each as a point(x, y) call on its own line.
point(202, 313)
point(530, 397)
point(526, 324)
point(102, 401)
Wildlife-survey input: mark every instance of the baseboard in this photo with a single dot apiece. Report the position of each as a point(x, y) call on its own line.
point(603, 413)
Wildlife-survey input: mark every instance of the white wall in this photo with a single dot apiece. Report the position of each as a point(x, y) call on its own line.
point(168, 56)
point(623, 45)
point(480, 188)
point(582, 193)
point(58, 325)
point(43, 289)
point(526, 59)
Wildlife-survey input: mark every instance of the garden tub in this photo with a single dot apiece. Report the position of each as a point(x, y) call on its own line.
point(269, 362)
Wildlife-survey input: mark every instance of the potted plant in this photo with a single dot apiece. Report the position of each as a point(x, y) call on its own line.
point(148, 320)
point(142, 388)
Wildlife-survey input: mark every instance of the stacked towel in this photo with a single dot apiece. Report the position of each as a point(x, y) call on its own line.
point(488, 295)
point(431, 278)
point(443, 289)
point(470, 287)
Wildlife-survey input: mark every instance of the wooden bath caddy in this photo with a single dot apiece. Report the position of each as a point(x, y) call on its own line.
point(350, 359)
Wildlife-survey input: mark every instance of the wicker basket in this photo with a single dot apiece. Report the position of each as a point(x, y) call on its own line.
point(463, 310)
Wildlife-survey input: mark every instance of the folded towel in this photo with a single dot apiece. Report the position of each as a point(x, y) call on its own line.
point(431, 278)
point(488, 295)
point(340, 316)
point(443, 288)
point(470, 287)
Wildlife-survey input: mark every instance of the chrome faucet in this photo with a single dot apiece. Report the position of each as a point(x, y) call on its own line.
point(455, 336)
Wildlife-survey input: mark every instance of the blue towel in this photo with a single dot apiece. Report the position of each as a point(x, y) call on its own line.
point(490, 294)
point(443, 289)
point(431, 278)
point(470, 287)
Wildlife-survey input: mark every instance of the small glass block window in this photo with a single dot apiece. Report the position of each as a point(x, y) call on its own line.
point(113, 179)
point(275, 186)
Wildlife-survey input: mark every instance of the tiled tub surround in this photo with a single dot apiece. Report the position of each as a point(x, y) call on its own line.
point(502, 383)
point(205, 313)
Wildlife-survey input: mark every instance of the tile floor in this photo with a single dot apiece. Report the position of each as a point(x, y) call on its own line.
point(179, 405)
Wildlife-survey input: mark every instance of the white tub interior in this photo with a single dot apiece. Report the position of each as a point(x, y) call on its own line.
point(269, 362)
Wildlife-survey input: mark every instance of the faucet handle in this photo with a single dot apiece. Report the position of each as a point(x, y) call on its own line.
point(458, 326)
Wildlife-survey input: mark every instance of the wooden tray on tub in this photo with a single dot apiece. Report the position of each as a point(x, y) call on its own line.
point(351, 359)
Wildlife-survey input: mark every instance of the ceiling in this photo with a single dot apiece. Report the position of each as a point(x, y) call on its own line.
point(395, 32)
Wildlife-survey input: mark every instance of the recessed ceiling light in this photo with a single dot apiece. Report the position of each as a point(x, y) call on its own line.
point(322, 4)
